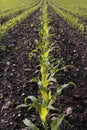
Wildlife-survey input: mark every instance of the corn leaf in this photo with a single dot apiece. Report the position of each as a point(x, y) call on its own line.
point(49, 94)
point(51, 107)
point(29, 124)
point(72, 83)
point(43, 113)
point(32, 98)
point(59, 90)
point(44, 94)
point(56, 123)
point(22, 105)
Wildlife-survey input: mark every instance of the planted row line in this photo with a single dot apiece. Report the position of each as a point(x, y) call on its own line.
point(70, 18)
point(72, 7)
point(7, 15)
point(12, 22)
point(47, 84)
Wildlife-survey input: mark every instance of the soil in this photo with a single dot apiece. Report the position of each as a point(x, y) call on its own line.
point(16, 70)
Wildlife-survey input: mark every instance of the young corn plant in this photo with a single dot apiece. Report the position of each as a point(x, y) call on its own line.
point(44, 102)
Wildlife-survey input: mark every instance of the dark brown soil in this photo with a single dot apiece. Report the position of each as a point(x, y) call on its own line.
point(16, 69)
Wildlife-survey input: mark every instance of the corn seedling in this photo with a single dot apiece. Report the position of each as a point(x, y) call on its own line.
point(44, 102)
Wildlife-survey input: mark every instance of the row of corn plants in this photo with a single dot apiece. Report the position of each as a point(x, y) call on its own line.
point(72, 20)
point(72, 7)
point(47, 83)
point(14, 12)
point(75, 12)
point(12, 22)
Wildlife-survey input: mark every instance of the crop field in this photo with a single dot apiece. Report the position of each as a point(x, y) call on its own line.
point(43, 64)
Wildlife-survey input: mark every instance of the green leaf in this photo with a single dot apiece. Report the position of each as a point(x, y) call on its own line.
point(34, 80)
point(35, 102)
point(52, 79)
point(53, 99)
point(72, 83)
point(67, 66)
point(40, 84)
point(43, 113)
point(52, 108)
point(59, 90)
point(45, 55)
point(35, 51)
point(44, 94)
point(32, 98)
point(22, 105)
point(56, 123)
point(30, 124)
